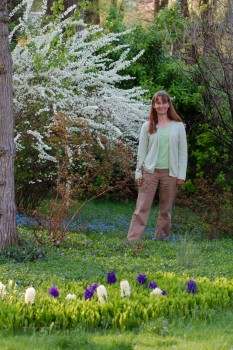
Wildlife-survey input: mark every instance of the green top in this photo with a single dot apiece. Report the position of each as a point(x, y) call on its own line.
point(163, 154)
point(149, 146)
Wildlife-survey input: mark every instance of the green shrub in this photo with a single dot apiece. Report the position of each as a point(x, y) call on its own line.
point(27, 250)
point(215, 207)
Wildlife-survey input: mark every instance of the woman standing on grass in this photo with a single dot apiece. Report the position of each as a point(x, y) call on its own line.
point(161, 162)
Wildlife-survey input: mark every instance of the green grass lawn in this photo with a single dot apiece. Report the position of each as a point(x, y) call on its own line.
point(215, 335)
point(97, 246)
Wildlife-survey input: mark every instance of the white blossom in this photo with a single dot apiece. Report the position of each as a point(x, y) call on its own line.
point(41, 146)
point(18, 145)
point(11, 285)
point(71, 296)
point(125, 288)
point(2, 290)
point(30, 295)
point(78, 80)
point(102, 293)
point(156, 291)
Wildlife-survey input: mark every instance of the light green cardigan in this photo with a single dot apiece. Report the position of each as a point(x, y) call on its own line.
point(148, 151)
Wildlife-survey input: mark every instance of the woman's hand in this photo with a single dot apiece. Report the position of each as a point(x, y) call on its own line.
point(179, 182)
point(139, 182)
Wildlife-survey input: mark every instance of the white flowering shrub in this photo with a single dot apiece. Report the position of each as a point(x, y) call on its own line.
point(66, 67)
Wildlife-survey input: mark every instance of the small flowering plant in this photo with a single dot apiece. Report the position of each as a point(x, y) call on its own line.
point(30, 295)
point(111, 277)
point(53, 291)
point(11, 285)
point(2, 289)
point(156, 291)
point(89, 292)
point(191, 287)
point(102, 294)
point(71, 297)
point(125, 289)
point(142, 279)
point(94, 286)
point(152, 285)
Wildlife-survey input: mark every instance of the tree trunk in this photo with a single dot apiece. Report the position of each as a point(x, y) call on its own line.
point(195, 4)
point(8, 230)
point(92, 14)
point(164, 3)
point(160, 4)
point(156, 6)
point(184, 8)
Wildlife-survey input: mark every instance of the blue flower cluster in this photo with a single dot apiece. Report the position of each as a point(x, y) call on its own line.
point(191, 287)
point(89, 292)
point(142, 279)
point(90, 221)
point(111, 278)
point(54, 292)
point(22, 220)
point(152, 285)
point(109, 220)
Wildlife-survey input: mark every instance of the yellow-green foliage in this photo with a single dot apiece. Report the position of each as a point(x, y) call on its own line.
point(125, 313)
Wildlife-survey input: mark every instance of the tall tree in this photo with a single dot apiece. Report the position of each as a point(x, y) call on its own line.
point(8, 231)
point(12, 4)
point(184, 7)
point(164, 3)
point(195, 5)
point(159, 4)
point(156, 6)
point(90, 14)
point(212, 39)
point(66, 4)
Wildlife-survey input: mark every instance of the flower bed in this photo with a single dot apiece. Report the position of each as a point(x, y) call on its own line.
point(114, 303)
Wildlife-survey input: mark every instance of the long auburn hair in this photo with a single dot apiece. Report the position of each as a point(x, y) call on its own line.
point(153, 117)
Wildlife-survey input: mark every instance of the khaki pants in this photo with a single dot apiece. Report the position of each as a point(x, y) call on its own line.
point(167, 193)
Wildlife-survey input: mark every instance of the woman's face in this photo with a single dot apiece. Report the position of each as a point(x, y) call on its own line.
point(160, 106)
